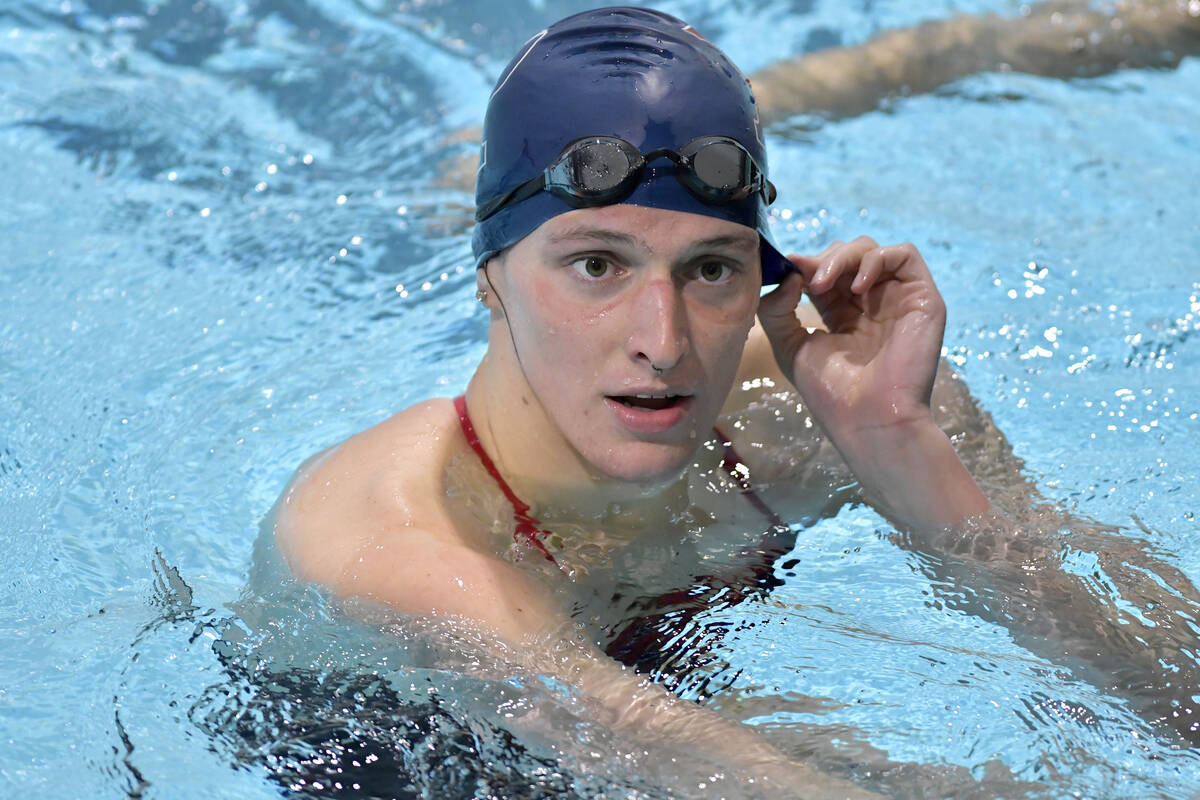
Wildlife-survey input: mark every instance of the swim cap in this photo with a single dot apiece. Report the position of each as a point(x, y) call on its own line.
point(637, 74)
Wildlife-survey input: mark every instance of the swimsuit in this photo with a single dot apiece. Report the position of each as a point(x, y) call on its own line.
point(528, 530)
point(645, 642)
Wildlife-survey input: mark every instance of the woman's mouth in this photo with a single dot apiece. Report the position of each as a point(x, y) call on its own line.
point(648, 402)
point(649, 413)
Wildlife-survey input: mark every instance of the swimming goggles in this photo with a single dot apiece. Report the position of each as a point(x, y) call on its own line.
point(601, 170)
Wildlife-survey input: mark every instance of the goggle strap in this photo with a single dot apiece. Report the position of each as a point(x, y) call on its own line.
point(515, 195)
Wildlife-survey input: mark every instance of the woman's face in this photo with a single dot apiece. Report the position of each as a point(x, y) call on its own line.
point(628, 324)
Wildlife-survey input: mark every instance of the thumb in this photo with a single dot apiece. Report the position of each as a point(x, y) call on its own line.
point(777, 313)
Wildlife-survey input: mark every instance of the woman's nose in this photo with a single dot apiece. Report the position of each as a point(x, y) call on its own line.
point(658, 326)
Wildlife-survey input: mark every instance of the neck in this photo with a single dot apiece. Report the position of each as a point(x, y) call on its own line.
point(543, 468)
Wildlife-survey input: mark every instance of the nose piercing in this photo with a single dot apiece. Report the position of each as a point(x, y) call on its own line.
point(657, 369)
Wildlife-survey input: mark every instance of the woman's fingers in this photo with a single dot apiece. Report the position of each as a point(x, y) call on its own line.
point(906, 263)
point(808, 265)
point(777, 313)
point(840, 281)
point(873, 264)
point(805, 265)
point(777, 308)
point(863, 262)
point(840, 258)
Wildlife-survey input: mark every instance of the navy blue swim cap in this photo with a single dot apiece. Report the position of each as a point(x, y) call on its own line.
point(637, 74)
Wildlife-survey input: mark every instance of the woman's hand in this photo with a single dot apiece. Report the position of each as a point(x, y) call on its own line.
point(875, 365)
point(867, 380)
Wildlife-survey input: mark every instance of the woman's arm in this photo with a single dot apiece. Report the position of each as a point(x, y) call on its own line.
point(1055, 39)
point(525, 628)
point(1067, 589)
point(337, 529)
point(867, 379)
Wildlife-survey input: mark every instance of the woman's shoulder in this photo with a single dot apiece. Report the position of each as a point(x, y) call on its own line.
point(759, 372)
point(764, 416)
point(370, 490)
point(368, 518)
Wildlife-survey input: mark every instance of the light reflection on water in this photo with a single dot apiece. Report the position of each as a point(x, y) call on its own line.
point(229, 247)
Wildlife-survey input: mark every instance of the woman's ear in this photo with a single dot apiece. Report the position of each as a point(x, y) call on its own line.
point(484, 292)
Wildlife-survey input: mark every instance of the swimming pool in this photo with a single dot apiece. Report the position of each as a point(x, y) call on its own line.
point(229, 246)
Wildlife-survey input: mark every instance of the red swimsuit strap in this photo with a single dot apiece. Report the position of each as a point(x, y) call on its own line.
point(737, 470)
point(528, 528)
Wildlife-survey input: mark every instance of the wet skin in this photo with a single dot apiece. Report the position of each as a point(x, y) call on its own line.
point(613, 303)
point(615, 337)
point(627, 326)
point(556, 402)
point(616, 334)
point(596, 308)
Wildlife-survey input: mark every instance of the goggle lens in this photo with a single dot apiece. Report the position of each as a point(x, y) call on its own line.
point(597, 167)
point(721, 166)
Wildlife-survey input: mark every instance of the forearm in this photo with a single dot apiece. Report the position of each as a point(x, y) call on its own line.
point(1095, 602)
point(636, 707)
point(1055, 39)
point(1068, 589)
point(912, 472)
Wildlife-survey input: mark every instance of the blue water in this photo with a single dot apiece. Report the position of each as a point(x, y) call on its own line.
point(228, 246)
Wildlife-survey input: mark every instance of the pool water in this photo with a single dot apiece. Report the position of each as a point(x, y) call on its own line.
point(231, 244)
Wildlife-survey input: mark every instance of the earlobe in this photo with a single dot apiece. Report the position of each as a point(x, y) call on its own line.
point(482, 285)
point(485, 293)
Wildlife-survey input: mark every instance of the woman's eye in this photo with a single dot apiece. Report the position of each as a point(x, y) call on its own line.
point(591, 266)
point(714, 271)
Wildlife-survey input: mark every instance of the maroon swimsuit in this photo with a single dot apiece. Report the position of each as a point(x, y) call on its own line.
point(644, 642)
point(528, 530)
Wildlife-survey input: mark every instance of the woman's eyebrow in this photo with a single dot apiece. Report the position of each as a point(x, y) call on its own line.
point(746, 240)
point(600, 234)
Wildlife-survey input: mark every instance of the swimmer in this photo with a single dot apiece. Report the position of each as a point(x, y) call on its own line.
point(628, 403)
